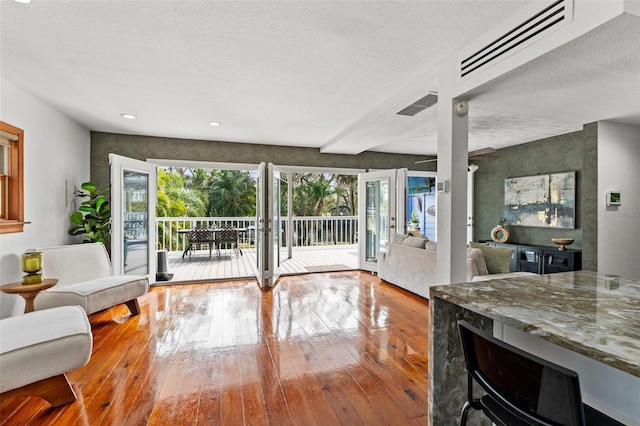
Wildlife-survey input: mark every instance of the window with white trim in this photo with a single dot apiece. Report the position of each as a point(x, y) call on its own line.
point(11, 178)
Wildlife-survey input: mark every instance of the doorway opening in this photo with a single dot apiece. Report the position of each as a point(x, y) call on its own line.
point(317, 234)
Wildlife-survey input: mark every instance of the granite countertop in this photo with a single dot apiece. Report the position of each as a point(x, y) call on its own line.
point(592, 314)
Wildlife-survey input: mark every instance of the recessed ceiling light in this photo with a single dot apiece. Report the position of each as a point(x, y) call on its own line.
point(23, 1)
point(128, 116)
point(214, 123)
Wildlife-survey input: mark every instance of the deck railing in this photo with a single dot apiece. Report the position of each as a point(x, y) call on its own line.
point(307, 230)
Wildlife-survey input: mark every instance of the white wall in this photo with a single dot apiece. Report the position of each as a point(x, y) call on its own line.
point(619, 227)
point(56, 149)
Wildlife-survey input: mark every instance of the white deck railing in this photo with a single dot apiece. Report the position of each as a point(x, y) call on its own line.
point(307, 230)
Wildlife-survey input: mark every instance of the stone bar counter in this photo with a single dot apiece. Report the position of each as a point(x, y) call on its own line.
point(585, 321)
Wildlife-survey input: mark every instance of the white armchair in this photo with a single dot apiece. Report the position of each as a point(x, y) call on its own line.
point(85, 278)
point(38, 348)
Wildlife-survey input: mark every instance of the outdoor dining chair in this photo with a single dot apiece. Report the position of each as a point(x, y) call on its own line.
point(227, 238)
point(199, 237)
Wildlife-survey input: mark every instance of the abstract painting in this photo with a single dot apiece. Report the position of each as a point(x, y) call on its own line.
point(545, 200)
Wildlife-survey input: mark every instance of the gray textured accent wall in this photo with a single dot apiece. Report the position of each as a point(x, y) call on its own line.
point(570, 152)
point(143, 147)
point(590, 198)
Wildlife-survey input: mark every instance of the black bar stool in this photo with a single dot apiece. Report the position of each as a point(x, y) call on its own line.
point(522, 389)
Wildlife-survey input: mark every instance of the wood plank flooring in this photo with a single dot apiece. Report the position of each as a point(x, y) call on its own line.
point(320, 349)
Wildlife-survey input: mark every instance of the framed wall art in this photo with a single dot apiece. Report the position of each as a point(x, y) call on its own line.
point(547, 201)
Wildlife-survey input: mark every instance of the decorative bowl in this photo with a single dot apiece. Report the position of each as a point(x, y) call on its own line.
point(562, 242)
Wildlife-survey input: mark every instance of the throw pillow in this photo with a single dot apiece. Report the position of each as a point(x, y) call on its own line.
point(397, 238)
point(477, 257)
point(496, 258)
point(417, 242)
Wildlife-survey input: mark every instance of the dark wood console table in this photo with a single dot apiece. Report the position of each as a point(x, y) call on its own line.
point(541, 259)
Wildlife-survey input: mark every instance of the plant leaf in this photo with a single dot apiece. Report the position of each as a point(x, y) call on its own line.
point(89, 186)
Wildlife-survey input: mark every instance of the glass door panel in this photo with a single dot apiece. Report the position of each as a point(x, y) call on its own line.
point(377, 197)
point(261, 253)
point(275, 236)
point(420, 204)
point(378, 206)
point(268, 239)
point(135, 213)
point(133, 219)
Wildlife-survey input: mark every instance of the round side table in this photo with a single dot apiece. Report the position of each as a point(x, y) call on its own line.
point(28, 291)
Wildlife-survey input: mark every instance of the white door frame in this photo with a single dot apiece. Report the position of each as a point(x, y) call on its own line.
point(118, 165)
point(261, 228)
point(363, 178)
point(401, 195)
point(268, 243)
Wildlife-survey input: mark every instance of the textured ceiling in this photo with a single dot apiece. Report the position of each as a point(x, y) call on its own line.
point(595, 77)
point(303, 73)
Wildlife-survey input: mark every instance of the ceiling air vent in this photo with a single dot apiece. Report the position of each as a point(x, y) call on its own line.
point(419, 105)
point(534, 28)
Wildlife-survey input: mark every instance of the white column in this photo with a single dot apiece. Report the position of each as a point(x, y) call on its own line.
point(453, 136)
point(290, 215)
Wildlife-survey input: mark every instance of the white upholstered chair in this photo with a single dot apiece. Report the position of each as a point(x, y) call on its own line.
point(85, 278)
point(38, 348)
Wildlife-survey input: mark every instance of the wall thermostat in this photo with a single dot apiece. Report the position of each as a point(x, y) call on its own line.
point(613, 198)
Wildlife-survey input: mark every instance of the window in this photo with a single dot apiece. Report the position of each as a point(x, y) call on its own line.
point(11, 179)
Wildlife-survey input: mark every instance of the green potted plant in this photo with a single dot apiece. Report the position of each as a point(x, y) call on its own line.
point(93, 217)
point(413, 222)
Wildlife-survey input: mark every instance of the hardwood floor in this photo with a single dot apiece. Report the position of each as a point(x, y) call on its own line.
point(323, 349)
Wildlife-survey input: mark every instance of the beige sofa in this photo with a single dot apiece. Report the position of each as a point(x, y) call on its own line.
point(410, 263)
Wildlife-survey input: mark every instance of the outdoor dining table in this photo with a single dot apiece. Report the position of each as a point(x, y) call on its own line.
point(215, 231)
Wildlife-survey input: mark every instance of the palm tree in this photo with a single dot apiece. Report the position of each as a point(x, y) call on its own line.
point(347, 187)
point(176, 201)
point(312, 192)
point(312, 195)
point(231, 193)
point(196, 179)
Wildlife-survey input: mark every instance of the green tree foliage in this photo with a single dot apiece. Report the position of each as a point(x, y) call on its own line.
point(346, 189)
point(196, 180)
point(196, 192)
point(311, 193)
point(284, 199)
point(317, 194)
point(231, 193)
point(174, 200)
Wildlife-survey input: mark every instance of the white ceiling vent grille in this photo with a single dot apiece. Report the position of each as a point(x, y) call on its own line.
point(534, 28)
point(419, 105)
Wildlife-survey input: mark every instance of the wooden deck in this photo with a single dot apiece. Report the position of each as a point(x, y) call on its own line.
point(200, 267)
